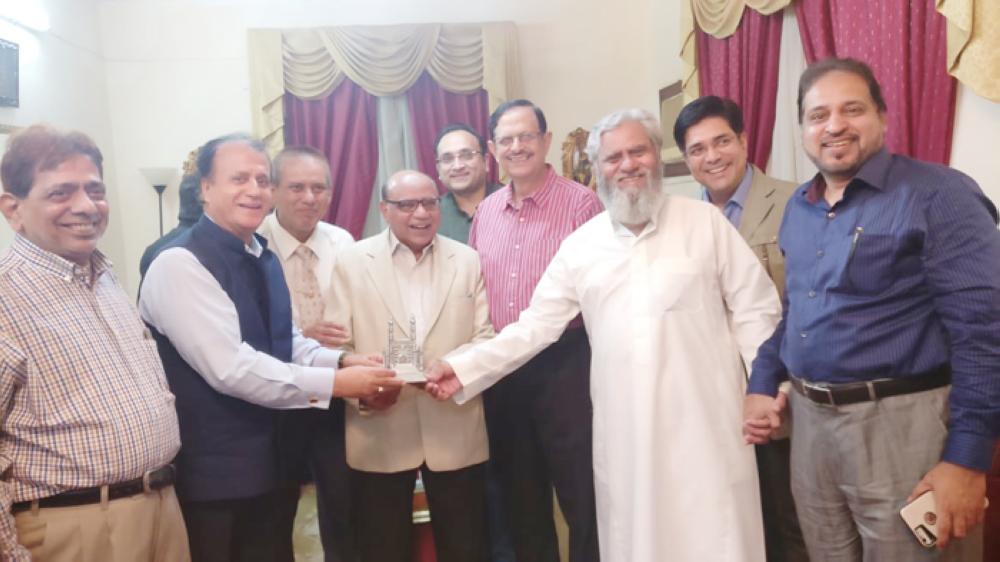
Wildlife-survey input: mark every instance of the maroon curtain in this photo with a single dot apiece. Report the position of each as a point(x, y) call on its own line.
point(432, 107)
point(744, 68)
point(342, 126)
point(904, 42)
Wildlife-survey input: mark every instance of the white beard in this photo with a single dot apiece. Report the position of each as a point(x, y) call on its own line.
point(631, 206)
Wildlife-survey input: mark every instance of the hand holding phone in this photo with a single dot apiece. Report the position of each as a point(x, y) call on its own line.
point(920, 516)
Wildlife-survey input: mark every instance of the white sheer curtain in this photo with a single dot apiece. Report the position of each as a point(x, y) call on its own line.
point(788, 161)
point(396, 151)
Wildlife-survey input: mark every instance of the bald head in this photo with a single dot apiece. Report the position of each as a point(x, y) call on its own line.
point(408, 177)
point(410, 208)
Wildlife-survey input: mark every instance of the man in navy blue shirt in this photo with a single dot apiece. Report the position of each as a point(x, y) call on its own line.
point(890, 335)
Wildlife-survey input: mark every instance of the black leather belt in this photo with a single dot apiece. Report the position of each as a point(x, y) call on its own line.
point(148, 482)
point(854, 392)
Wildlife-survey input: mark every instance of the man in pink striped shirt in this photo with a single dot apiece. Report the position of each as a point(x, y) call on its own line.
point(539, 417)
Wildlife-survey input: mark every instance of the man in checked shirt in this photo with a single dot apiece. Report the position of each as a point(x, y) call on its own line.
point(88, 425)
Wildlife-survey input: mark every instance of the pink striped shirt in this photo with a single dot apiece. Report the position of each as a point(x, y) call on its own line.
point(517, 242)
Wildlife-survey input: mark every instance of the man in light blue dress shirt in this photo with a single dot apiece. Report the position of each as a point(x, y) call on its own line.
point(710, 133)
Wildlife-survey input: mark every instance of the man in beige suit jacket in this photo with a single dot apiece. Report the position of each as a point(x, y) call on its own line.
point(405, 272)
point(709, 132)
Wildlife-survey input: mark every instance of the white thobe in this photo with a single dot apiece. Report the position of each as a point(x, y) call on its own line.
point(670, 313)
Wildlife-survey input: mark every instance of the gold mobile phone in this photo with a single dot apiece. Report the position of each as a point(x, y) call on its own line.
point(920, 516)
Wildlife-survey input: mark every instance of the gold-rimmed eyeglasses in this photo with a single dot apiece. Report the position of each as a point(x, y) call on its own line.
point(523, 138)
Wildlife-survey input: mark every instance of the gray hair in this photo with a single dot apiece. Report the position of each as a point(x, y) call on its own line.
point(206, 154)
point(300, 151)
point(611, 121)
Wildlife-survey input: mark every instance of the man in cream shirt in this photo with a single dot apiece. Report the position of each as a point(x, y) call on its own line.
point(404, 272)
point(307, 248)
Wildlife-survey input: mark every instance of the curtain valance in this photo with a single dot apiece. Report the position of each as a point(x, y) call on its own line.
point(383, 60)
point(720, 18)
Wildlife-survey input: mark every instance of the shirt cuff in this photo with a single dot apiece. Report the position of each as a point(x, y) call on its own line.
point(327, 358)
point(761, 384)
point(317, 384)
point(470, 388)
point(969, 450)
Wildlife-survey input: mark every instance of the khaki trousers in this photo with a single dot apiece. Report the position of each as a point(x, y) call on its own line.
point(140, 528)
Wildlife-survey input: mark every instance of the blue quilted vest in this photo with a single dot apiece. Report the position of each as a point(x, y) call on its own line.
point(228, 445)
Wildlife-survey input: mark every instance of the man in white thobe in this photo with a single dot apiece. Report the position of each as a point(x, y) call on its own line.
point(675, 305)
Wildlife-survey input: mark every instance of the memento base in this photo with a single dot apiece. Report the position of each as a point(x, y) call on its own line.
point(409, 373)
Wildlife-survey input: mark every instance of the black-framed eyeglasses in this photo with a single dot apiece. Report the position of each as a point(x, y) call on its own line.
point(449, 158)
point(523, 138)
point(410, 205)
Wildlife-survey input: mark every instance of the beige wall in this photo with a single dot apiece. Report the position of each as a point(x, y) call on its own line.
point(175, 74)
point(177, 71)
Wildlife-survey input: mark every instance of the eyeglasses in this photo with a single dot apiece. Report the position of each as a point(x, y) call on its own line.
point(523, 138)
point(463, 155)
point(410, 205)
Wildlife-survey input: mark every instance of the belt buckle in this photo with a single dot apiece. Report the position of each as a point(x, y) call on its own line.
point(147, 478)
point(825, 390)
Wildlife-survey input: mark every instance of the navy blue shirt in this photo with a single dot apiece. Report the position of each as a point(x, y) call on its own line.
point(900, 277)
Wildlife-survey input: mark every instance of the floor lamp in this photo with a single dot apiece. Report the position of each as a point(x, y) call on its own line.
point(159, 178)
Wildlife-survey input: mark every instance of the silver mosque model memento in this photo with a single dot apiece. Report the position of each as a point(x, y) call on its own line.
point(404, 355)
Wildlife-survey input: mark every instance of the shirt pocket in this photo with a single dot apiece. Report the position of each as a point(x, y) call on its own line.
point(871, 263)
point(675, 285)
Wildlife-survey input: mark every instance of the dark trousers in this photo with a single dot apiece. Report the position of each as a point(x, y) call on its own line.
point(383, 507)
point(539, 420)
point(782, 535)
point(312, 441)
point(240, 530)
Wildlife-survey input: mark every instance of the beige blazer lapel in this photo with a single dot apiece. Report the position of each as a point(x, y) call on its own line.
point(383, 276)
point(442, 278)
point(758, 206)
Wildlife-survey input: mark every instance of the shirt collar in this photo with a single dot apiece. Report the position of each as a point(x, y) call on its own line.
point(491, 188)
point(255, 248)
point(58, 265)
point(396, 246)
point(872, 173)
point(541, 195)
point(285, 243)
point(739, 197)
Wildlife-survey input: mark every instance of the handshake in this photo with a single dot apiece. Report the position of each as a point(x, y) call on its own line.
point(377, 388)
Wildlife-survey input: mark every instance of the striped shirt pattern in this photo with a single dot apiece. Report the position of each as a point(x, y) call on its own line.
point(517, 242)
point(83, 396)
point(898, 278)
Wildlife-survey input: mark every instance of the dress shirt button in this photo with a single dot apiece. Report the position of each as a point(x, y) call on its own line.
point(517, 246)
point(514, 274)
point(313, 401)
point(802, 335)
point(831, 214)
point(819, 253)
point(520, 219)
point(510, 305)
point(812, 294)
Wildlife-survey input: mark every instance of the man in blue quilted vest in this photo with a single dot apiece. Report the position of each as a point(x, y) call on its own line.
point(220, 312)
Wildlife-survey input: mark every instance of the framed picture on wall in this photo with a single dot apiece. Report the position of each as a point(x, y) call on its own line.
point(671, 103)
point(9, 74)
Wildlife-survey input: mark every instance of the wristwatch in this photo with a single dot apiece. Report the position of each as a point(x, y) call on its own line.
point(340, 360)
